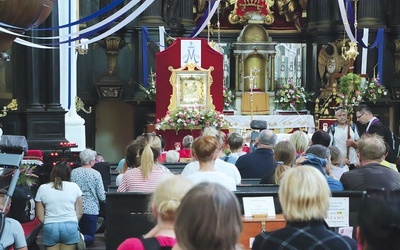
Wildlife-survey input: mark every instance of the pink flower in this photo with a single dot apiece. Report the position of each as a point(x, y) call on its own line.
point(207, 123)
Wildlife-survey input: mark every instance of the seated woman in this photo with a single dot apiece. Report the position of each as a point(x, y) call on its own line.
point(300, 141)
point(304, 197)
point(164, 203)
point(379, 220)
point(337, 167)
point(284, 155)
point(213, 223)
point(206, 149)
point(145, 177)
point(185, 152)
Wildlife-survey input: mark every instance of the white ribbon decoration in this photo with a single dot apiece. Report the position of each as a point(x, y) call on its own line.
point(161, 36)
point(346, 21)
point(364, 52)
point(114, 29)
point(210, 14)
point(117, 14)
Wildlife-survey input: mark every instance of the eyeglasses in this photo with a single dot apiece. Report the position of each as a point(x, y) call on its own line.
point(358, 116)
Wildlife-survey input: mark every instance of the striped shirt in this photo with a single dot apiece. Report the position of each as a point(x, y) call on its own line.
point(133, 180)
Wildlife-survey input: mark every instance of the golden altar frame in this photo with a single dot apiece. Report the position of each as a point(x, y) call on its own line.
point(190, 86)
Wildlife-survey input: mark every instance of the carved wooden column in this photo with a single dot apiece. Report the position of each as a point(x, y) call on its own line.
point(324, 13)
point(187, 13)
point(152, 16)
point(35, 81)
point(52, 78)
point(370, 13)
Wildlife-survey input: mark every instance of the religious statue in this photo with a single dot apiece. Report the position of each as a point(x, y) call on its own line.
point(171, 13)
point(330, 62)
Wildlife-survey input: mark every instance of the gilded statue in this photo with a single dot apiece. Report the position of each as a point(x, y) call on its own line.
point(289, 10)
point(331, 62)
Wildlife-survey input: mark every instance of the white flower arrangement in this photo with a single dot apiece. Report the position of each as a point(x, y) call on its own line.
point(374, 90)
point(192, 118)
point(289, 96)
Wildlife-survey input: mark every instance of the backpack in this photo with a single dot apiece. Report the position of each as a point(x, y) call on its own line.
point(152, 244)
point(332, 130)
point(395, 145)
point(22, 205)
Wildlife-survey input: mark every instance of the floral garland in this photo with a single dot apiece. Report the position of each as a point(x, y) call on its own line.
point(350, 94)
point(150, 91)
point(192, 118)
point(288, 96)
point(229, 98)
point(374, 90)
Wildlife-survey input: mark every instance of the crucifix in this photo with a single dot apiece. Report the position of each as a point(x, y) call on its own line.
point(252, 77)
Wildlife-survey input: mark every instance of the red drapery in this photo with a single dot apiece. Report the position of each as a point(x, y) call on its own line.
point(172, 57)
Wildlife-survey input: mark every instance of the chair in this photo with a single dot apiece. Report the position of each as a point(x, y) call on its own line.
point(324, 121)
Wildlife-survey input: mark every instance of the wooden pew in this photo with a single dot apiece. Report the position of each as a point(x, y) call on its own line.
point(127, 216)
point(175, 168)
point(251, 181)
point(354, 201)
point(257, 188)
point(130, 209)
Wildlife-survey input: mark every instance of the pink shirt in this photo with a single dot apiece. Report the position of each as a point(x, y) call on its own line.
point(133, 180)
point(135, 243)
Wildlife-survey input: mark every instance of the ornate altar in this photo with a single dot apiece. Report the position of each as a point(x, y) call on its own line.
point(254, 52)
point(191, 86)
point(189, 74)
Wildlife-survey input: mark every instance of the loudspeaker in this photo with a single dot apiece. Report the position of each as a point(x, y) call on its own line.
point(258, 124)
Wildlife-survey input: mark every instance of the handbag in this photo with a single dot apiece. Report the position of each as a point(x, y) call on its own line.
point(81, 245)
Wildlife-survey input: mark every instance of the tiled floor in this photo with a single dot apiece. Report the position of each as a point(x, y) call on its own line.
point(99, 242)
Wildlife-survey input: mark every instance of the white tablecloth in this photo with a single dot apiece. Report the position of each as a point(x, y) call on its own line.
point(240, 122)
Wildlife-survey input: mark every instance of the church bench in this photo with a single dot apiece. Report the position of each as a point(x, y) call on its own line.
point(354, 201)
point(175, 168)
point(112, 188)
point(127, 216)
point(257, 188)
point(251, 181)
point(130, 209)
point(243, 188)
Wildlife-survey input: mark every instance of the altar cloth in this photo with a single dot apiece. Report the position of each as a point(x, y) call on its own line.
point(276, 122)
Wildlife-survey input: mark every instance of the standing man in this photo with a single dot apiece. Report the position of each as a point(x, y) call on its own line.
point(256, 164)
point(374, 126)
point(342, 139)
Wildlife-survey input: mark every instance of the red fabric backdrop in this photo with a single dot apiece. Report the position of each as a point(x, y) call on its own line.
point(171, 57)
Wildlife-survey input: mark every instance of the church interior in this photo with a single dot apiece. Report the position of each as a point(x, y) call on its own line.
point(265, 45)
point(97, 74)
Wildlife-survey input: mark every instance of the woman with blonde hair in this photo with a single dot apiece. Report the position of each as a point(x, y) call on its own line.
point(300, 141)
point(59, 207)
point(145, 177)
point(223, 224)
point(304, 197)
point(164, 204)
point(284, 155)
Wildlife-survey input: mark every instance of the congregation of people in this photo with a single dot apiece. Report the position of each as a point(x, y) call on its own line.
point(306, 168)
